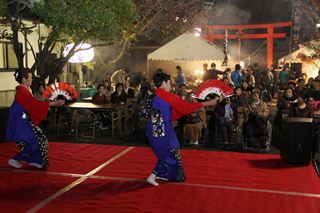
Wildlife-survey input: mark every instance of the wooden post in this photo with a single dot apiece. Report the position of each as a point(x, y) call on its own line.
point(270, 46)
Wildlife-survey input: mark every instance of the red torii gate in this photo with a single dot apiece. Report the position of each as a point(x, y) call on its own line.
point(270, 35)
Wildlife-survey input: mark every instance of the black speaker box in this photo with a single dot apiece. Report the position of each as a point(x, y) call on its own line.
point(3, 123)
point(296, 140)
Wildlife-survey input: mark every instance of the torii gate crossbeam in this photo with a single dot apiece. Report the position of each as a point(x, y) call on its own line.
point(270, 35)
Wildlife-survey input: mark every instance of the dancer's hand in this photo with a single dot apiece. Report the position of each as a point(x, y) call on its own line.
point(210, 102)
point(57, 103)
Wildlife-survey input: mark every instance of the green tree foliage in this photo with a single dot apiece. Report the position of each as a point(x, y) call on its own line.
point(85, 19)
point(69, 21)
point(158, 20)
point(3, 6)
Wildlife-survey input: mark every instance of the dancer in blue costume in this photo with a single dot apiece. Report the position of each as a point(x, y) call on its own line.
point(164, 108)
point(25, 114)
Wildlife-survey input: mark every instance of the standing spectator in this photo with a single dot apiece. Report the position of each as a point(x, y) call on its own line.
point(214, 72)
point(275, 80)
point(249, 77)
point(181, 79)
point(236, 76)
point(227, 74)
point(206, 72)
point(283, 78)
point(267, 80)
point(257, 74)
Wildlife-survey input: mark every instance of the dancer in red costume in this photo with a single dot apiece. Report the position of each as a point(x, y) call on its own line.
point(163, 109)
point(25, 114)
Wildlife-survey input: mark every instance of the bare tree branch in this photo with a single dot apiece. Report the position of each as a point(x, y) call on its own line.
point(32, 50)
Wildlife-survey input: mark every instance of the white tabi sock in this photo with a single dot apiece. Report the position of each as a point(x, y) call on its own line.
point(39, 166)
point(14, 163)
point(152, 180)
point(161, 178)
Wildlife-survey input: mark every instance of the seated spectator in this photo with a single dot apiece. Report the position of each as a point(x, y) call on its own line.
point(314, 104)
point(183, 93)
point(38, 94)
point(145, 86)
point(315, 93)
point(304, 77)
point(107, 88)
point(284, 106)
point(137, 91)
point(118, 96)
point(194, 124)
point(228, 82)
point(310, 83)
point(225, 116)
point(127, 89)
point(255, 129)
point(239, 101)
point(301, 90)
point(244, 85)
point(100, 97)
point(185, 96)
point(301, 109)
point(292, 84)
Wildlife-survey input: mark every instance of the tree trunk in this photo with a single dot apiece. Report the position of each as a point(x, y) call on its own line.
point(16, 46)
point(57, 69)
point(43, 56)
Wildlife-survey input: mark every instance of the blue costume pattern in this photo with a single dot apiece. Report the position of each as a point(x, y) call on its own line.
point(166, 107)
point(22, 130)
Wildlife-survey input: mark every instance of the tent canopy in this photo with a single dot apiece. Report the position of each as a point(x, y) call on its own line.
point(309, 66)
point(187, 47)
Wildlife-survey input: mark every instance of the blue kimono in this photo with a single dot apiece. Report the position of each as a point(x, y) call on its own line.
point(22, 130)
point(166, 107)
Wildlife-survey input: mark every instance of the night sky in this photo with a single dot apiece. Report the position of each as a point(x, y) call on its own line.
point(263, 11)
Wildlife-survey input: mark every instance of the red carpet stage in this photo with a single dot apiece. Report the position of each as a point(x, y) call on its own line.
point(104, 178)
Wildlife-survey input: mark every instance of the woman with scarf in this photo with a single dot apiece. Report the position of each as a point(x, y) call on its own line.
point(255, 129)
point(163, 109)
point(25, 114)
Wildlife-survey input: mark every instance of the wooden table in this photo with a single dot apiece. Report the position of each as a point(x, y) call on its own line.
point(88, 99)
point(119, 114)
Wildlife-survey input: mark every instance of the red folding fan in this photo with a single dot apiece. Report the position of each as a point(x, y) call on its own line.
point(217, 87)
point(60, 89)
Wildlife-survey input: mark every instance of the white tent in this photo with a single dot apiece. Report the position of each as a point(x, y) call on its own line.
point(188, 51)
point(187, 47)
point(309, 66)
